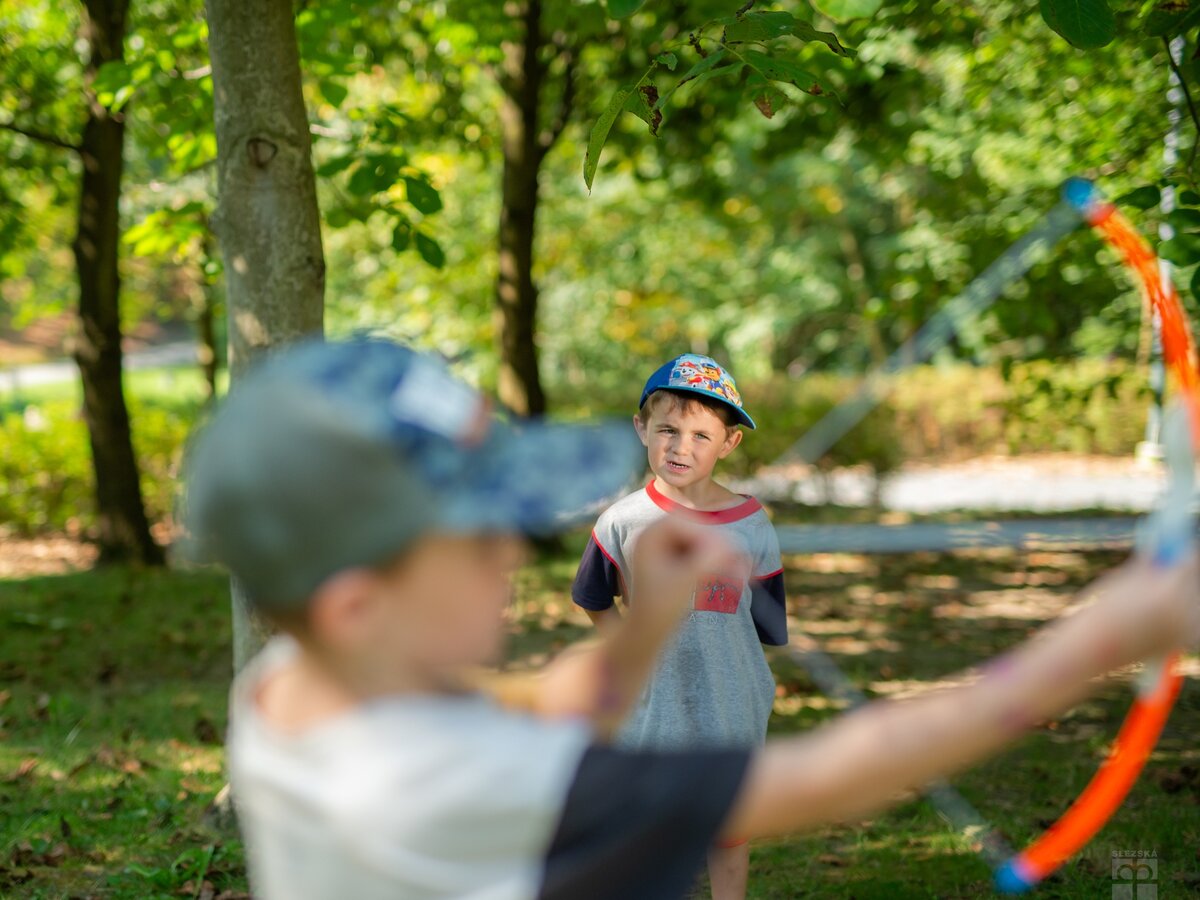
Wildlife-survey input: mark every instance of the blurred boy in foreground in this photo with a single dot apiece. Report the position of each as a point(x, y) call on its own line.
point(371, 507)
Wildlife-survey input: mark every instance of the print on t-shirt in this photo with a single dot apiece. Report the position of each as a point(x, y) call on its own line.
point(718, 593)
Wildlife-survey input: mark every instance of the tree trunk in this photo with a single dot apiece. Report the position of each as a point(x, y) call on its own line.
point(523, 74)
point(267, 219)
point(124, 532)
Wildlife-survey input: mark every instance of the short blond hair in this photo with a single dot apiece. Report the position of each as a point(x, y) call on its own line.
point(685, 401)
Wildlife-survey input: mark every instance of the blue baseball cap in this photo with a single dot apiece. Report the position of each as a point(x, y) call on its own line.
point(332, 455)
point(700, 375)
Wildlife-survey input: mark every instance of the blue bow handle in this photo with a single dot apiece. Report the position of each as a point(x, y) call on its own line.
point(1167, 533)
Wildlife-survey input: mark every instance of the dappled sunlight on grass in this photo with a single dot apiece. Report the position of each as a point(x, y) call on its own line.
point(1026, 605)
point(112, 710)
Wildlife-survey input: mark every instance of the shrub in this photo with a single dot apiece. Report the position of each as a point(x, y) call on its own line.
point(46, 468)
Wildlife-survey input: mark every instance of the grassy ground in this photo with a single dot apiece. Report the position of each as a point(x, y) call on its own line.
point(112, 706)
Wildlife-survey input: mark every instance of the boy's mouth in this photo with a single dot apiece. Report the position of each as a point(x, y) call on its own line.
point(676, 467)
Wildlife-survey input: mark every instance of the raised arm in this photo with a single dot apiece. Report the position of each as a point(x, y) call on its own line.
point(601, 679)
point(864, 760)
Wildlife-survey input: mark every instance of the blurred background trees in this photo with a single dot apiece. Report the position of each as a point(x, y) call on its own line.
point(806, 200)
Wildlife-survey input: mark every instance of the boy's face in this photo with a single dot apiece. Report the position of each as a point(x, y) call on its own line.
point(684, 441)
point(442, 605)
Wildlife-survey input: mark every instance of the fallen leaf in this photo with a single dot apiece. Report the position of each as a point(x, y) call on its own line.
point(23, 770)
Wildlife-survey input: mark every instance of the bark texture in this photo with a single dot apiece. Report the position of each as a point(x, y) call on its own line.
point(527, 134)
point(124, 532)
point(267, 220)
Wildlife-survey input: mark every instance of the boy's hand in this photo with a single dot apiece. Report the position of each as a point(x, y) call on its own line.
point(1157, 607)
point(601, 680)
point(669, 559)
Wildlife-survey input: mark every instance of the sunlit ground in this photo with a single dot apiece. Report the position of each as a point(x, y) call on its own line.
point(112, 712)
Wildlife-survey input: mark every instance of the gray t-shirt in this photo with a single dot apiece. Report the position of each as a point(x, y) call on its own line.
point(712, 686)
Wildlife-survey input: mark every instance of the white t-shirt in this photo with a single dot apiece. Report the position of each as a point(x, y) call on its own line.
point(414, 797)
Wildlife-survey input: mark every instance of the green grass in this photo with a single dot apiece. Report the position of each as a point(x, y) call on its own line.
point(114, 710)
point(175, 386)
point(113, 689)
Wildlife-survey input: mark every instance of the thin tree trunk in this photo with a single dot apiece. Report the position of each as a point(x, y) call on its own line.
point(523, 73)
point(267, 220)
point(124, 531)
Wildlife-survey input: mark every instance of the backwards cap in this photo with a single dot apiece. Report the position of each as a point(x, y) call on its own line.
point(334, 455)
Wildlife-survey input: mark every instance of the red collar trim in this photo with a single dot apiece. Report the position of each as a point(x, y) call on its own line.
point(704, 516)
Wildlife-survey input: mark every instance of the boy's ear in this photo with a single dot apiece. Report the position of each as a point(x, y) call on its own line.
point(733, 437)
point(640, 427)
point(340, 611)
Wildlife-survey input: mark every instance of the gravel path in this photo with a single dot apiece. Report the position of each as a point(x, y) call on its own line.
point(1050, 483)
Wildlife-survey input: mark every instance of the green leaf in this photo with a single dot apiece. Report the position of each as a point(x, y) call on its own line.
point(114, 84)
point(1184, 219)
point(430, 250)
point(806, 32)
point(1086, 24)
point(401, 235)
point(643, 104)
point(362, 181)
point(338, 217)
point(706, 64)
point(1189, 198)
point(783, 70)
point(1183, 250)
point(600, 130)
point(422, 195)
point(841, 10)
point(335, 165)
point(670, 60)
point(620, 9)
point(760, 26)
point(1194, 284)
point(1144, 197)
point(757, 27)
point(1171, 18)
point(334, 92)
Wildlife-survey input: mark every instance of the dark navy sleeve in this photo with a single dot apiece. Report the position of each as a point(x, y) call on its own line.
point(768, 608)
point(638, 825)
point(598, 579)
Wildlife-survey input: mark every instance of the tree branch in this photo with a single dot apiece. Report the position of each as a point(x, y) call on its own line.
point(566, 101)
point(1187, 95)
point(40, 136)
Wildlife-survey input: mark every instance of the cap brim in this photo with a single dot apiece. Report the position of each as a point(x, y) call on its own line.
point(540, 478)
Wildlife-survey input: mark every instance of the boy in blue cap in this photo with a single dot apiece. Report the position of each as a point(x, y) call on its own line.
point(372, 509)
point(712, 687)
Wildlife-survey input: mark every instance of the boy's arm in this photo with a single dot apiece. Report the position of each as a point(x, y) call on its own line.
point(601, 680)
point(598, 580)
point(604, 618)
point(768, 599)
point(863, 760)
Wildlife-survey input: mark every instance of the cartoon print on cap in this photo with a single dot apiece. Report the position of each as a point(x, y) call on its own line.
point(702, 373)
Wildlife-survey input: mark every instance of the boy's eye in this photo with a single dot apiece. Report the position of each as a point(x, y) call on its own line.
point(701, 436)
